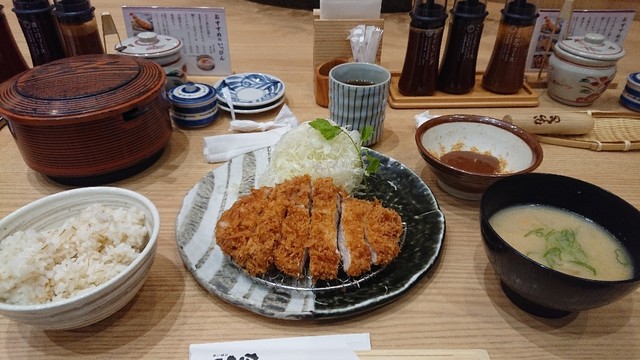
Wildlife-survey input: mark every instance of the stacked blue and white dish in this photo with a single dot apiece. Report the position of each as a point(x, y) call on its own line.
point(630, 96)
point(193, 105)
point(250, 93)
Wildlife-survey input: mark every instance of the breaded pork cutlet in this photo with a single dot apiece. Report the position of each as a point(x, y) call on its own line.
point(237, 225)
point(299, 219)
point(290, 253)
point(355, 252)
point(383, 229)
point(324, 257)
point(259, 250)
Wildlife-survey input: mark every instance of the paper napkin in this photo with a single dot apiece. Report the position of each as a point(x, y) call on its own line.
point(335, 347)
point(422, 117)
point(253, 136)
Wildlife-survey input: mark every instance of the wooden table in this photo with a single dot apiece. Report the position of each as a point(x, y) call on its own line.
point(459, 305)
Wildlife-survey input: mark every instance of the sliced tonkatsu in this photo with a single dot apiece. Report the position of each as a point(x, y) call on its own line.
point(237, 226)
point(290, 252)
point(324, 257)
point(260, 248)
point(356, 254)
point(383, 229)
point(304, 227)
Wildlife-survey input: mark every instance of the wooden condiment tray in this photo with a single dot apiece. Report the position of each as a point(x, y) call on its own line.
point(477, 98)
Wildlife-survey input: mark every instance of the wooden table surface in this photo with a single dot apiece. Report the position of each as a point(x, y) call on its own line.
point(459, 305)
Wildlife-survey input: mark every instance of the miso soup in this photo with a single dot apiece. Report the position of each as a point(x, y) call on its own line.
point(563, 241)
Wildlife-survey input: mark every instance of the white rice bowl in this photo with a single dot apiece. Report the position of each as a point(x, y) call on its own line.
point(118, 284)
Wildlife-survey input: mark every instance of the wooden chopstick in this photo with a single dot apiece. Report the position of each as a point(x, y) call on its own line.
point(614, 114)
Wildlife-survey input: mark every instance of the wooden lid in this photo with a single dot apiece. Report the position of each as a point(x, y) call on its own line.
point(80, 88)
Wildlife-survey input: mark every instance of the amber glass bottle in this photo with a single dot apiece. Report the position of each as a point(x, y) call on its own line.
point(505, 72)
point(420, 70)
point(40, 29)
point(458, 68)
point(78, 27)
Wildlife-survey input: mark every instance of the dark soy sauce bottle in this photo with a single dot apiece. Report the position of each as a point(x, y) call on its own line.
point(40, 29)
point(505, 72)
point(11, 60)
point(420, 71)
point(458, 67)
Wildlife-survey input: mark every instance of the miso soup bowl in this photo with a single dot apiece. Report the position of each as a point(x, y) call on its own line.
point(517, 150)
point(541, 290)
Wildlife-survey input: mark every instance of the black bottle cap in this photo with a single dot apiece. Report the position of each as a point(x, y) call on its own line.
point(31, 6)
point(74, 10)
point(429, 15)
point(520, 12)
point(470, 9)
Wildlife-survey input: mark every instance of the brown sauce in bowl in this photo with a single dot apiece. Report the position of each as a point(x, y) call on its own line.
point(472, 161)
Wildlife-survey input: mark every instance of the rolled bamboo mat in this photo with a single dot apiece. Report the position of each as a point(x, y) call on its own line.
point(612, 131)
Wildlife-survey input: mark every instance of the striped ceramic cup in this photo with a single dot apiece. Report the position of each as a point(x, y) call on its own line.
point(358, 94)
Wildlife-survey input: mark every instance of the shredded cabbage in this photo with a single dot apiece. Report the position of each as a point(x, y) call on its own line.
point(303, 150)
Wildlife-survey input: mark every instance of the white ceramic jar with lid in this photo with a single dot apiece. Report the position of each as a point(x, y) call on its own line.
point(581, 68)
point(161, 49)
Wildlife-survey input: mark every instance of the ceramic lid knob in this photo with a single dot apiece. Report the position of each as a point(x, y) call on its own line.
point(190, 88)
point(594, 39)
point(147, 37)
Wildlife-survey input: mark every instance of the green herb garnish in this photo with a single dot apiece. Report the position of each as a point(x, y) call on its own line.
point(330, 131)
point(621, 257)
point(562, 246)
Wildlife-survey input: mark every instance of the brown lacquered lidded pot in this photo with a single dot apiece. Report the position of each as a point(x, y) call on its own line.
point(88, 119)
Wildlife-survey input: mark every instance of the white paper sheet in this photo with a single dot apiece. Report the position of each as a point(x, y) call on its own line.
point(350, 9)
point(335, 347)
point(220, 148)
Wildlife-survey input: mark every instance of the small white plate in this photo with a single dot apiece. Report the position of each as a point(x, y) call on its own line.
point(248, 110)
point(251, 89)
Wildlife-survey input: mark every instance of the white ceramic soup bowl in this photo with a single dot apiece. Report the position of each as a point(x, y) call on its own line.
point(103, 300)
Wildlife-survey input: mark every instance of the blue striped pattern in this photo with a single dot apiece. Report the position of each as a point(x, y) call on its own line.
point(630, 102)
point(358, 106)
point(632, 92)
